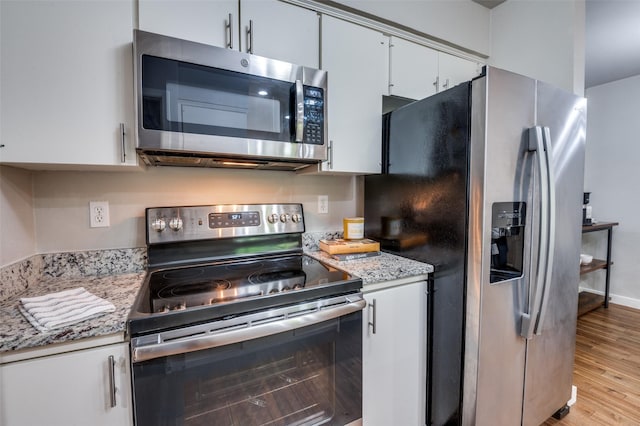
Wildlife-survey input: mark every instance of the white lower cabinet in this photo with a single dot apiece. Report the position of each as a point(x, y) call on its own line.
point(68, 389)
point(394, 356)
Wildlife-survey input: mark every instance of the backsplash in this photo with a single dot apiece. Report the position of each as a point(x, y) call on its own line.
point(21, 275)
point(310, 239)
point(94, 263)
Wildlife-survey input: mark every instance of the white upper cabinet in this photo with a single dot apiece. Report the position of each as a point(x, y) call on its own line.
point(454, 70)
point(268, 28)
point(67, 83)
point(281, 31)
point(356, 59)
point(413, 69)
point(417, 71)
point(209, 22)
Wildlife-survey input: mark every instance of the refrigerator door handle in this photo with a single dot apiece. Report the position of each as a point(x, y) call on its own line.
point(551, 240)
point(539, 141)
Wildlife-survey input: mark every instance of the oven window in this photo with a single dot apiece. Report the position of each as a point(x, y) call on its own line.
point(309, 376)
point(182, 97)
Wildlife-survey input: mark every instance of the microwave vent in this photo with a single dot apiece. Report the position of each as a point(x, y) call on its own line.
point(153, 158)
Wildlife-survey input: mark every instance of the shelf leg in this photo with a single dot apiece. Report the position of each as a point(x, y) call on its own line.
point(608, 271)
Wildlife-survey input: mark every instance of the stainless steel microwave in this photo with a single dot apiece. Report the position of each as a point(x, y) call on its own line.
point(201, 105)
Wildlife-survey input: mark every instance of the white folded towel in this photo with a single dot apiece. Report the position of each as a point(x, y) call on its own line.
point(57, 310)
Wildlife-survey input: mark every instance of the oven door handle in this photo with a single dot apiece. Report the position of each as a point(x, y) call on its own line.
point(284, 322)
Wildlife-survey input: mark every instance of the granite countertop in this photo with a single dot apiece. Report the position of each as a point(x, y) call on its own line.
point(17, 333)
point(112, 281)
point(378, 272)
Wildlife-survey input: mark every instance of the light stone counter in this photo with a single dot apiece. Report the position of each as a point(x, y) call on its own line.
point(378, 272)
point(114, 275)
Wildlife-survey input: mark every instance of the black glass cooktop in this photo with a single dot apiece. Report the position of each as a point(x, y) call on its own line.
point(176, 297)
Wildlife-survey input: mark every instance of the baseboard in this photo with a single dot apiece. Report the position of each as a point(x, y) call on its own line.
point(618, 300)
point(574, 395)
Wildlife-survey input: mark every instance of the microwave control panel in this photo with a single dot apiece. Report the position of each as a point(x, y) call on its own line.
point(313, 115)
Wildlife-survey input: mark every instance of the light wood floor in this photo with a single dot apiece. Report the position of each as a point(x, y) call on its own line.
point(607, 369)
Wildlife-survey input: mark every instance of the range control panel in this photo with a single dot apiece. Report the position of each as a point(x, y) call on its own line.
point(189, 223)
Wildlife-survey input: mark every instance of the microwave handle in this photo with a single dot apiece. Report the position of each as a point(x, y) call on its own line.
point(299, 110)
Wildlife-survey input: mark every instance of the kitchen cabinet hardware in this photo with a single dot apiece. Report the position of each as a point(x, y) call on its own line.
point(250, 37)
point(372, 311)
point(330, 155)
point(123, 155)
point(112, 381)
point(229, 28)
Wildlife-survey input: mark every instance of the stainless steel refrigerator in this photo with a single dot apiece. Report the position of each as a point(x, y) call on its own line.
point(485, 181)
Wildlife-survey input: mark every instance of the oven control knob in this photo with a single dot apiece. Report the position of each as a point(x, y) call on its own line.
point(175, 224)
point(284, 217)
point(296, 217)
point(273, 218)
point(158, 225)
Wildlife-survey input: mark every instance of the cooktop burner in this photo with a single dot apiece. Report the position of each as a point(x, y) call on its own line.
point(210, 291)
point(184, 288)
point(211, 262)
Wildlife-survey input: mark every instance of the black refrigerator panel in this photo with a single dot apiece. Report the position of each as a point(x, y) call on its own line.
point(418, 209)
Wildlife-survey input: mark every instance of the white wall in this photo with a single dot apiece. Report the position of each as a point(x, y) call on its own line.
point(461, 22)
point(17, 226)
point(62, 200)
point(612, 175)
point(541, 39)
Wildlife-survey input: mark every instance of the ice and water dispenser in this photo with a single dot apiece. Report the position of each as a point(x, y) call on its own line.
point(507, 240)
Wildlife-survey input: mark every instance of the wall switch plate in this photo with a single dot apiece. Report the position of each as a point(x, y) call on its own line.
point(99, 214)
point(323, 204)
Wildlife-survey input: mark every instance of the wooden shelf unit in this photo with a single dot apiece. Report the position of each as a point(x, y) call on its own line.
point(589, 301)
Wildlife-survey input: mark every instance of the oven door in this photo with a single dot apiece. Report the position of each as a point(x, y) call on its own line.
point(308, 373)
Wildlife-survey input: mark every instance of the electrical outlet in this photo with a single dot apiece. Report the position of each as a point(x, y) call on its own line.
point(323, 204)
point(99, 214)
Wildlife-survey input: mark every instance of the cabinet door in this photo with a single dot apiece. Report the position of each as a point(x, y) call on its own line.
point(67, 79)
point(356, 59)
point(394, 357)
point(281, 31)
point(454, 70)
point(68, 389)
point(413, 70)
point(196, 20)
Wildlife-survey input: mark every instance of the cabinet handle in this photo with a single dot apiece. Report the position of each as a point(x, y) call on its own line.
point(372, 310)
point(123, 155)
point(446, 84)
point(250, 37)
point(229, 28)
point(330, 154)
point(112, 381)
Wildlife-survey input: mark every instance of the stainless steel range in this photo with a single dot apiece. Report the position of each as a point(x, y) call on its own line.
point(234, 325)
